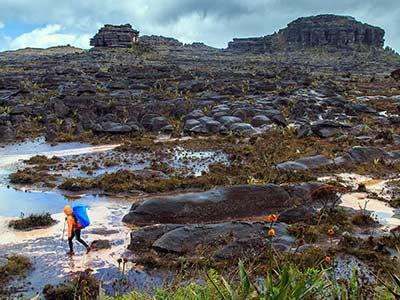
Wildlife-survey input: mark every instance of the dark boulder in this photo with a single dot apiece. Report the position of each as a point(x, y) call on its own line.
point(242, 128)
point(260, 120)
point(395, 74)
point(158, 123)
point(306, 163)
point(229, 120)
point(215, 205)
point(297, 214)
point(325, 128)
point(190, 123)
point(220, 241)
point(144, 238)
point(101, 244)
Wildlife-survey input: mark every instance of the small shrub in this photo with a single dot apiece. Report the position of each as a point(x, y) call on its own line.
point(42, 160)
point(16, 266)
point(82, 286)
point(32, 222)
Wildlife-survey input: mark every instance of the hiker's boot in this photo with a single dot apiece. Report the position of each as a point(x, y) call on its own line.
point(88, 249)
point(70, 253)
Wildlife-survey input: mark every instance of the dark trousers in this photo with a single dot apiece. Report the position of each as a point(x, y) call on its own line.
point(76, 233)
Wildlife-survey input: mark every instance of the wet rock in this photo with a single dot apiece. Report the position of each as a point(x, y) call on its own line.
point(325, 129)
point(360, 129)
point(306, 163)
point(210, 124)
point(215, 205)
point(260, 120)
point(192, 239)
point(279, 120)
point(297, 214)
point(167, 129)
point(360, 109)
point(199, 129)
point(144, 238)
point(395, 74)
point(190, 124)
point(194, 86)
point(103, 231)
point(158, 122)
point(304, 131)
point(229, 120)
point(101, 244)
point(394, 156)
point(7, 132)
point(242, 128)
point(117, 128)
point(196, 114)
point(362, 155)
point(394, 119)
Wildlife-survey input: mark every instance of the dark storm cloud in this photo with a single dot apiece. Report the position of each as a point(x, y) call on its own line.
point(214, 22)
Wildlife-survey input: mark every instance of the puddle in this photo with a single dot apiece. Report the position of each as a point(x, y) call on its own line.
point(45, 247)
point(12, 156)
point(183, 162)
point(384, 214)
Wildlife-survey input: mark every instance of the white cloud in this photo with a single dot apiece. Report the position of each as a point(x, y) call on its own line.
point(214, 22)
point(51, 35)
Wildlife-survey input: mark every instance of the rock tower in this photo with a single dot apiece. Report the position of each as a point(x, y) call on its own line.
point(337, 32)
point(122, 36)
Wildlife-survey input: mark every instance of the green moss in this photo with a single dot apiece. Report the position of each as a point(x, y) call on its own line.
point(16, 267)
point(42, 160)
point(363, 220)
point(34, 221)
point(32, 176)
point(82, 286)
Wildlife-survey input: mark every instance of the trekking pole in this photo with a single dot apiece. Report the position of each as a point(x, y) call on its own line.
point(62, 238)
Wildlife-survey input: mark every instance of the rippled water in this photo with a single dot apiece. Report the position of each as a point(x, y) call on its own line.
point(47, 247)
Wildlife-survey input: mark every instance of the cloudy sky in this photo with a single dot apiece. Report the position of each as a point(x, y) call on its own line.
point(45, 23)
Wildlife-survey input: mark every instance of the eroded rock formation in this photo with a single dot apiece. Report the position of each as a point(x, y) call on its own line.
point(317, 31)
point(122, 36)
point(218, 205)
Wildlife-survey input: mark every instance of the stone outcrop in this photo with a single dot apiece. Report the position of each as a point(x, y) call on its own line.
point(395, 74)
point(223, 241)
point(217, 205)
point(355, 156)
point(122, 36)
point(317, 31)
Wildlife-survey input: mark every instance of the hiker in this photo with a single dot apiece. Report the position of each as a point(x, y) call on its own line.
point(74, 230)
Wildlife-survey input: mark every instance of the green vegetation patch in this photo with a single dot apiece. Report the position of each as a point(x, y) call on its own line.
point(34, 221)
point(42, 160)
point(16, 266)
point(32, 176)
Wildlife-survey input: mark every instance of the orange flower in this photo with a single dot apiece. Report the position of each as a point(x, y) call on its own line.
point(328, 259)
point(272, 218)
point(331, 232)
point(271, 232)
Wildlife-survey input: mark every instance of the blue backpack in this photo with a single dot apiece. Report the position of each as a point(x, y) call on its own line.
point(80, 213)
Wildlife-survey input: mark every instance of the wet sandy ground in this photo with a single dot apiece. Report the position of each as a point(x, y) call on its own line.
point(45, 247)
point(384, 214)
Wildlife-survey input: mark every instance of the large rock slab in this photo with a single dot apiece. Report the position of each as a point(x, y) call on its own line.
point(122, 36)
point(216, 241)
point(216, 205)
point(306, 163)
